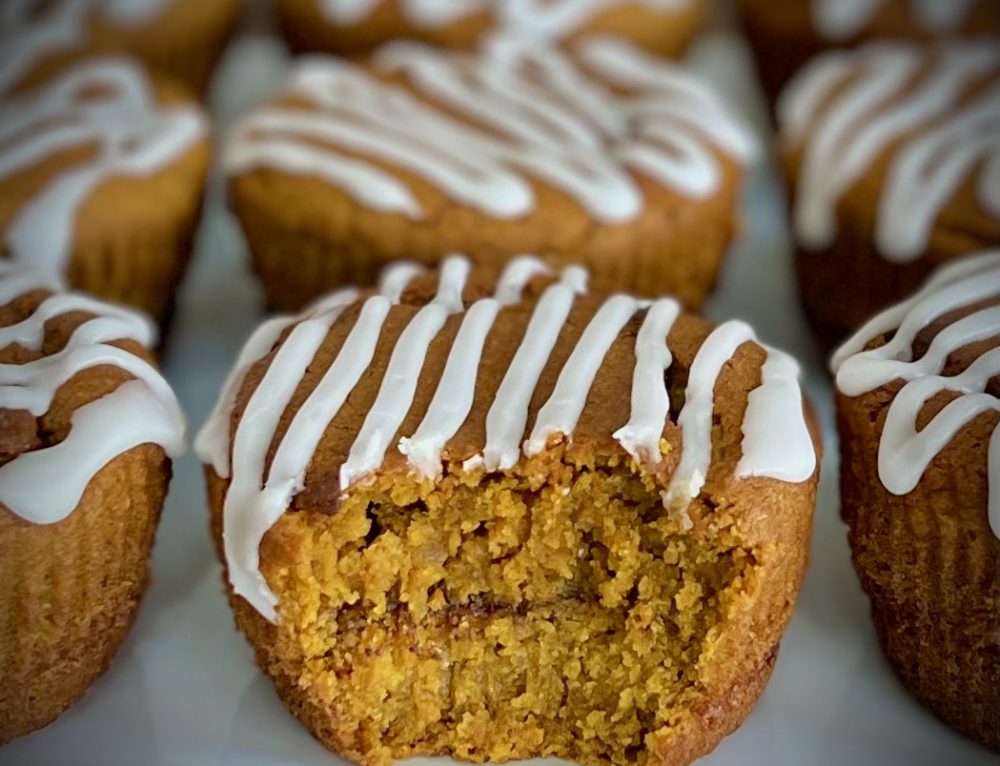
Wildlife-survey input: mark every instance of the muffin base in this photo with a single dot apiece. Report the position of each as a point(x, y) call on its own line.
point(72, 589)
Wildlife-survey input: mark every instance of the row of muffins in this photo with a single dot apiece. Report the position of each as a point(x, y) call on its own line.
point(286, 142)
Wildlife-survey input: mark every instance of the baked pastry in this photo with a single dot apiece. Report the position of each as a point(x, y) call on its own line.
point(621, 161)
point(182, 39)
point(354, 27)
point(892, 153)
point(785, 35)
point(457, 517)
point(101, 178)
point(87, 430)
point(918, 408)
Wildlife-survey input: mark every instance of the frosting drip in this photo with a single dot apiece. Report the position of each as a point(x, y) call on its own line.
point(256, 498)
point(479, 127)
point(972, 284)
point(133, 136)
point(849, 108)
point(140, 411)
point(841, 20)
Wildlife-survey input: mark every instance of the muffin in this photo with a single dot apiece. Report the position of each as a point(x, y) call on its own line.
point(892, 155)
point(501, 518)
point(785, 35)
point(918, 408)
point(356, 27)
point(183, 39)
point(87, 430)
point(615, 159)
point(102, 171)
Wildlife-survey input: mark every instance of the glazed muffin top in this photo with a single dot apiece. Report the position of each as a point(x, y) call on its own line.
point(472, 374)
point(37, 36)
point(418, 130)
point(76, 147)
point(367, 23)
point(935, 361)
point(903, 141)
point(843, 22)
point(77, 389)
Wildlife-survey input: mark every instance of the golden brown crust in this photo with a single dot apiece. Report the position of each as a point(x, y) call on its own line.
point(184, 43)
point(70, 589)
point(783, 36)
point(133, 235)
point(928, 559)
point(666, 32)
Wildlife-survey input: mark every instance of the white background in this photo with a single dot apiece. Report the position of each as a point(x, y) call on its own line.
point(183, 689)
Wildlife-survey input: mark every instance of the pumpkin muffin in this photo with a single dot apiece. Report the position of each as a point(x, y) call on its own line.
point(355, 27)
point(102, 172)
point(183, 39)
point(504, 517)
point(786, 34)
point(618, 160)
point(892, 155)
point(87, 430)
point(918, 408)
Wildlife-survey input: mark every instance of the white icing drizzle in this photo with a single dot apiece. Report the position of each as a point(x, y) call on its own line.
point(562, 410)
point(640, 437)
point(30, 30)
point(138, 412)
point(841, 20)
point(134, 136)
point(399, 384)
point(252, 504)
point(936, 141)
point(525, 111)
point(553, 19)
point(904, 453)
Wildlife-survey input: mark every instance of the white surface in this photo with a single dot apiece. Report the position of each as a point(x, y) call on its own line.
point(184, 691)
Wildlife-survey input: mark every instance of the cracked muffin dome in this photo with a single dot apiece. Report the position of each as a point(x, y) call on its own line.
point(102, 170)
point(87, 430)
point(499, 516)
point(353, 27)
point(892, 154)
point(608, 156)
point(918, 408)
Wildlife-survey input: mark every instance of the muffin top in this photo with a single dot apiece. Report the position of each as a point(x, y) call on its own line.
point(418, 130)
point(936, 357)
point(551, 19)
point(903, 140)
point(469, 373)
point(77, 388)
point(64, 145)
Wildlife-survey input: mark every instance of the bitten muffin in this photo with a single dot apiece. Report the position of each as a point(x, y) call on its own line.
point(918, 408)
point(618, 160)
point(503, 518)
point(354, 27)
point(785, 35)
point(87, 430)
point(892, 155)
point(102, 172)
point(183, 39)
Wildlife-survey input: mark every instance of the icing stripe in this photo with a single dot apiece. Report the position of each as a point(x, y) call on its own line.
point(561, 411)
point(400, 381)
point(139, 411)
point(640, 437)
point(904, 452)
point(481, 128)
point(842, 20)
point(135, 137)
